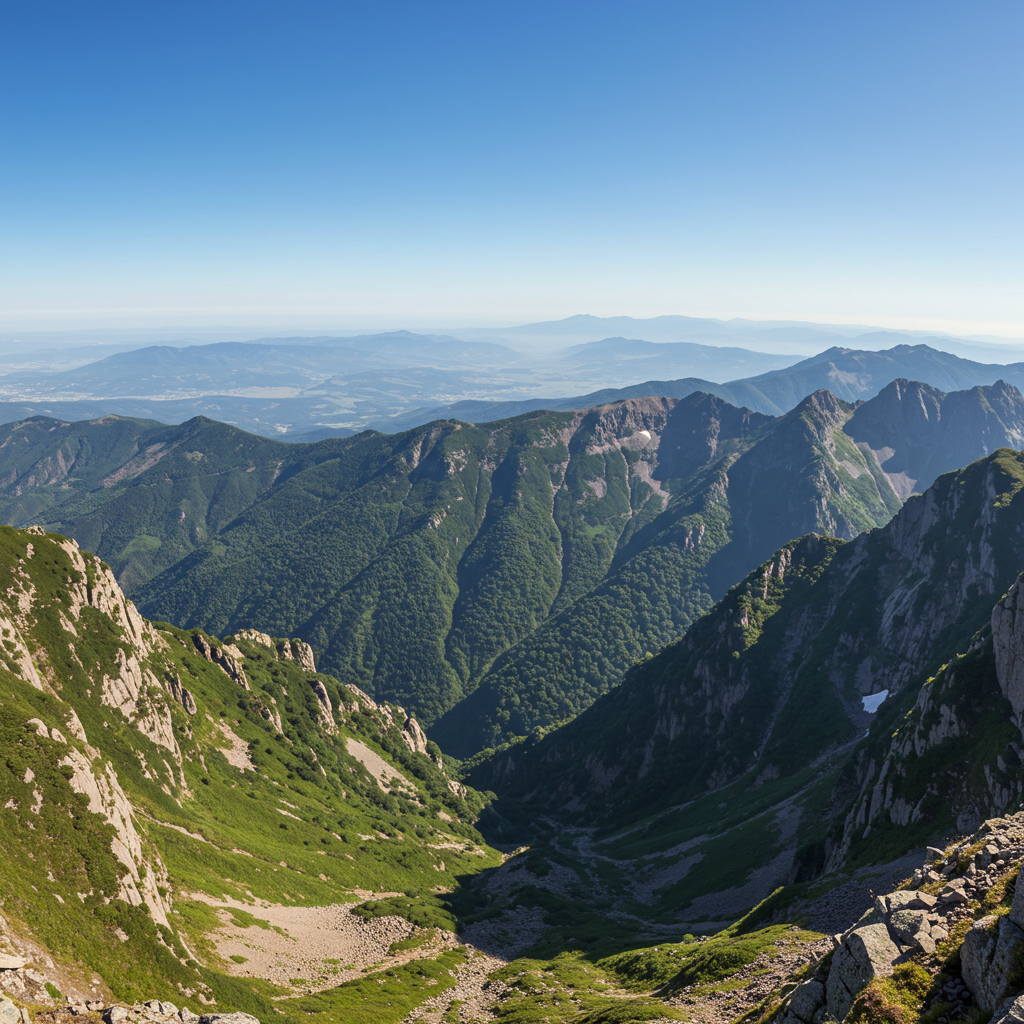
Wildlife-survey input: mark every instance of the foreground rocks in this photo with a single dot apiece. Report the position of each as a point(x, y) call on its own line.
point(911, 923)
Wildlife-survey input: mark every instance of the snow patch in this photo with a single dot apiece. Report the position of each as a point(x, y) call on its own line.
point(873, 701)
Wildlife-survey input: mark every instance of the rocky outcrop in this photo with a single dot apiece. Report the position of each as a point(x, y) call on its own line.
point(324, 707)
point(137, 694)
point(867, 952)
point(988, 959)
point(179, 693)
point(1008, 642)
point(226, 657)
point(413, 736)
point(297, 650)
point(143, 880)
point(911, 923)
point(289, 650)
point(256, 637)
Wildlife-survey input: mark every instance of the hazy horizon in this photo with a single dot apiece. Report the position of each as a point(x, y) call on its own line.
point(407, 166)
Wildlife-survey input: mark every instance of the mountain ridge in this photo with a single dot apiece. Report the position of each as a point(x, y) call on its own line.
point(612, 529)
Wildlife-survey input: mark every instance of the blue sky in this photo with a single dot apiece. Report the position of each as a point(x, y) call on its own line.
point(415, 162)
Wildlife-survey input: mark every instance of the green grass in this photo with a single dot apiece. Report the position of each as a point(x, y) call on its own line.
point(385, 997)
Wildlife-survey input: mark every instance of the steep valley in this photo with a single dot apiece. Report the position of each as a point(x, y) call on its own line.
point(493, 578)
point(732, 828)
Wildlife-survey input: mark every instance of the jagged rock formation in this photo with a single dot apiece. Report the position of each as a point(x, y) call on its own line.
point(915, 432)
point(908, 925)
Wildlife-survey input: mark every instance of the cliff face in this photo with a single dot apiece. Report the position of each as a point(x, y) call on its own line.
point(145, 770)
point(914, 432)
point(771, 682)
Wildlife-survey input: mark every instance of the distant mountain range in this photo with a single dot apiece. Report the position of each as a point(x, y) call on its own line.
point(849, 373)
point(396, 380)
point(496, 578)
point(793, 336)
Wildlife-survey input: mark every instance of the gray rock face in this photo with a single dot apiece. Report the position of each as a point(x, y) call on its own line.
point(1008, 642)
point(987, 960)
point(1016, 914)
point(1011, 1012)
point(9, 1013)
point(414, 737)
point(228, 658)
point(866, 953)
point(906, 924)
point(228, 1018)
point(301, 652)
point(806, 999)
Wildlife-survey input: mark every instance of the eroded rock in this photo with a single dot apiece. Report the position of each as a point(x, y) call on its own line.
point(987, 960)
point(867, 952)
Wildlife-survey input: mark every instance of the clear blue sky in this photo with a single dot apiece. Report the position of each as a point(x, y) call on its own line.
point(422, 161)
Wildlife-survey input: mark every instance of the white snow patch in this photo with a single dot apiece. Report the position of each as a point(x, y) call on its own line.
point(872, 702)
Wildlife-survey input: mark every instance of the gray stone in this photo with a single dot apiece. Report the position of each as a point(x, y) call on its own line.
point(186, 1016)
point(116, 1014)
point(11, 963)
point(923, 940)
point(922, 900)
point(987, 957)
point(866, 953)
point(228, 1018)
point(896, 901)
point(1016, 914)
point(906, 924)
point(9, 1013)
point(1011, 1012)
point(806, 999)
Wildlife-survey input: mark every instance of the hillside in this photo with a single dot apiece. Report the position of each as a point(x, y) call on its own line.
point(214, 823)
point(524, 565)
point(752, 745)
point(169, 799)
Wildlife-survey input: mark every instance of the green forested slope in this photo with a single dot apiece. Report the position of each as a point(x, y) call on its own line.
point(498, 577)
point(766, 684)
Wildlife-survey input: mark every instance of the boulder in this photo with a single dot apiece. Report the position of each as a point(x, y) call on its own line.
point(11, 963)
point(866, 953)
point(906, 924)
point(9, 1013)
point(1016, 914)
point(987, 960)
point(806, 999)
point(116, 1014)
point(1011, 1012)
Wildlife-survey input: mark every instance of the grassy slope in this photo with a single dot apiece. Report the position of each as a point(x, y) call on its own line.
point(54, 846)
